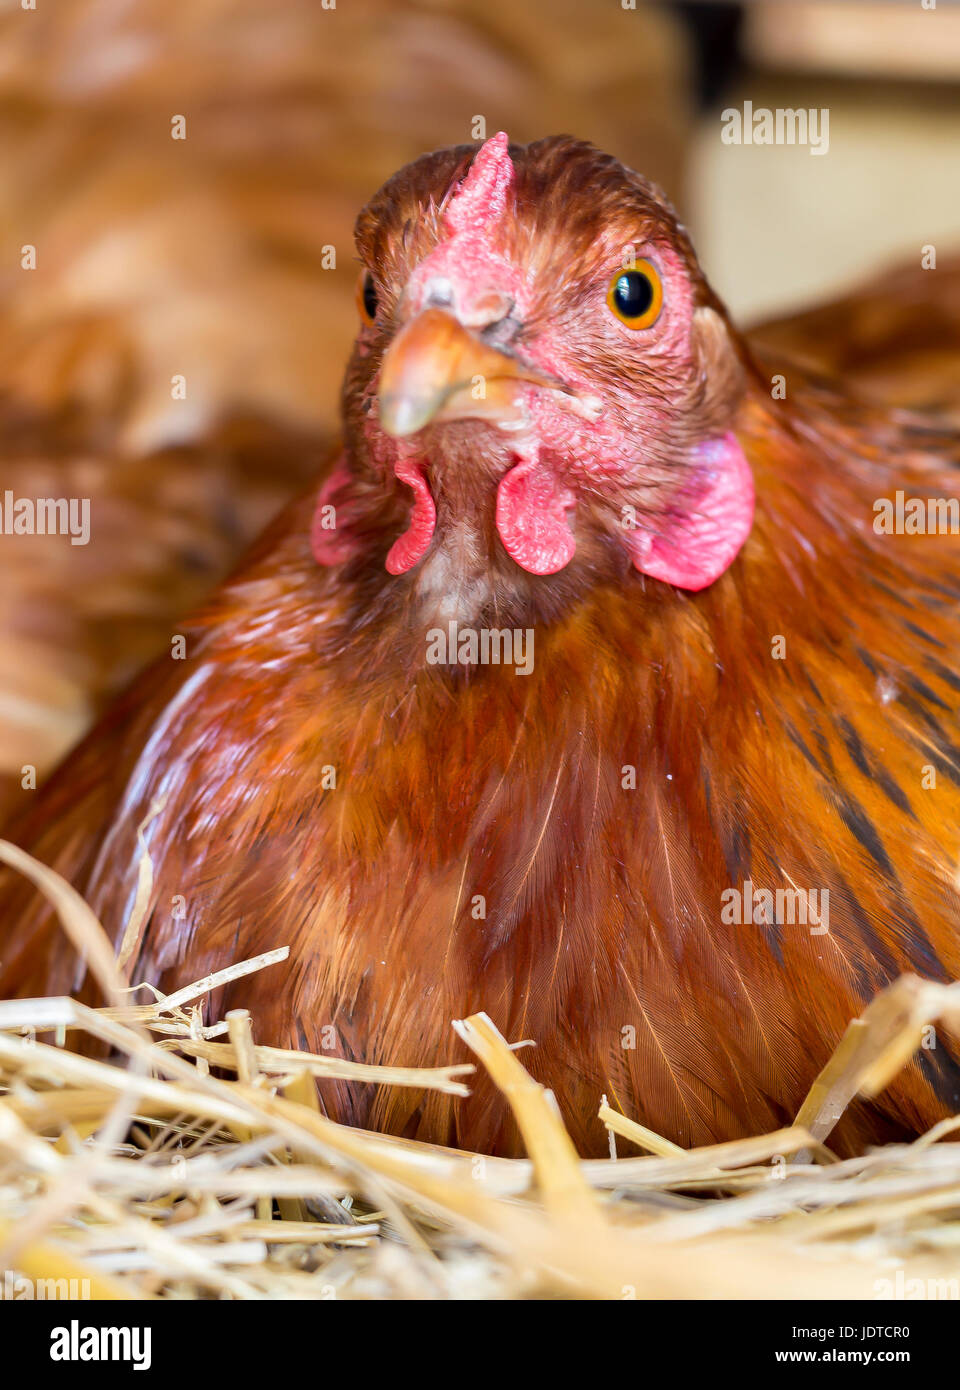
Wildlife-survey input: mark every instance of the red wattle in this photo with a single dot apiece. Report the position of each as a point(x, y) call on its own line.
point(532, 521)
point(411, 547)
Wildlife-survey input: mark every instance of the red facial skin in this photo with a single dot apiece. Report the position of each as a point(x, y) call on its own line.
point(613, 442)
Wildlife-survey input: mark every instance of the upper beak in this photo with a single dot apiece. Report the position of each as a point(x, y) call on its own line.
point(436, 369)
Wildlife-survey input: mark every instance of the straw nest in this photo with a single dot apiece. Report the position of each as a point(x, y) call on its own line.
point(149, 1177)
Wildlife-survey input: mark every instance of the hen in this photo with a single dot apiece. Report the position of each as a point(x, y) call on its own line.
point(552, 437)
point(224, 259)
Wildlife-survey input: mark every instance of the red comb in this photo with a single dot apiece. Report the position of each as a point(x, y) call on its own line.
point(482, 196)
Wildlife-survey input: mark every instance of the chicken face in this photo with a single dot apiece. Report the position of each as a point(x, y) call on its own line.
point(542, 363)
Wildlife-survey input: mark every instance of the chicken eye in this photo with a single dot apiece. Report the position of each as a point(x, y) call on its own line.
point(636, 295)
point(367, 298)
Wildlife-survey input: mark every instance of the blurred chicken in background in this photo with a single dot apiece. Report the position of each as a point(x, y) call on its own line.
point(210, 258)
point(894, 340)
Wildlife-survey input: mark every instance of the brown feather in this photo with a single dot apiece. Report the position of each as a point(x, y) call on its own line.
point(603, 938)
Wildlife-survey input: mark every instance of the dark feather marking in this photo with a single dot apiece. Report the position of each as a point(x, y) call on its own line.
point(862, 827)
point(940, 761)
point(813, 685)
point(942, 1073)
point(946, 675)
point(949, 752)
point(734, 839)
point(774, 935)
point(944, 755)
point(892, 594)
point(867, 660)
point(951, 591)
point(774, 938)
point(854, 747)
point(735, 842)
point(868, 981)
point(880, 775)
point(893, 791)
point(924, 715)
point(927, 637)
point(921, 688)
point(924, 961)
point(824, 747)
point(796, 739)
point(920, 951)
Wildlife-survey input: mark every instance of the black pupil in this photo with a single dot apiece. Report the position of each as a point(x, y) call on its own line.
point(633, 294)
point(369, 297)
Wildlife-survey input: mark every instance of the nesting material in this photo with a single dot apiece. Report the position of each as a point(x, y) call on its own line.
point(146, 1176)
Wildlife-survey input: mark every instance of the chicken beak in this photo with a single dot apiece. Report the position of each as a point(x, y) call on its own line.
point(436, 369)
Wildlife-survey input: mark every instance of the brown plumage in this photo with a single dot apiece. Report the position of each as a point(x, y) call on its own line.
point(78, 621)
point(225, 258)
point(554, 847)
point(896, 338)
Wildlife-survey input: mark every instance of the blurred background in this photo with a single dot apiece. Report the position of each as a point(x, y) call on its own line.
point(777, 227)
point(223, 260)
